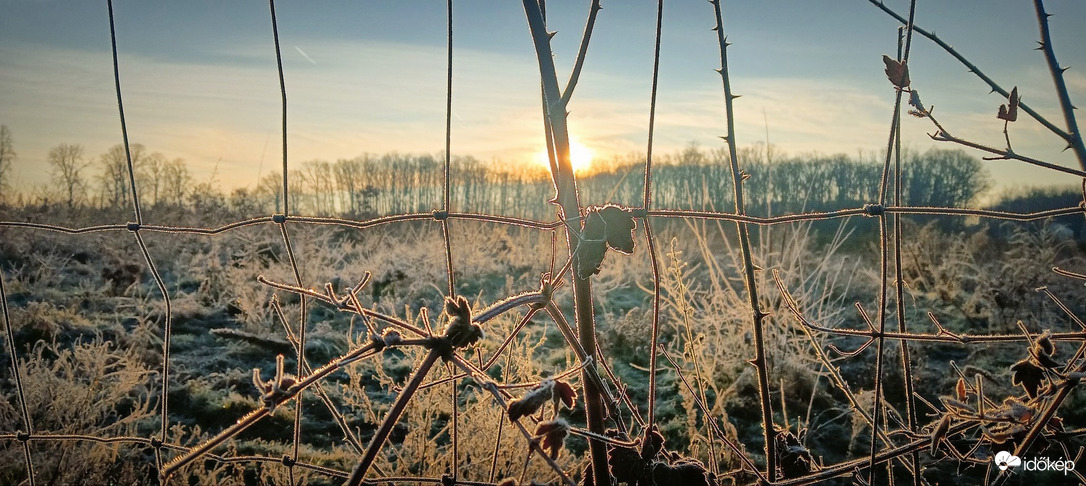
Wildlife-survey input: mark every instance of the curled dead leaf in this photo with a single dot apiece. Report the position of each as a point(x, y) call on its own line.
point(563, 393)
point(896, 71)
point(532, 401)
point(609, 226)
point(461, 331)
point(1028, 375)
point(554, 435)
point(1009, 111)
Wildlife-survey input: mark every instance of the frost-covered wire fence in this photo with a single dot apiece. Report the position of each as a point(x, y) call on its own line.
point(908, 432)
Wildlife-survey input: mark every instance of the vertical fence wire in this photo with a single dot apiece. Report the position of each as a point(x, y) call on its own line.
point(446, 204)
point(884, 259)
point(446, 239)
point(23, 436)
point(120, 111)
point(167, 331)
point(283, 105)
point(899, 301)
point(653, 260)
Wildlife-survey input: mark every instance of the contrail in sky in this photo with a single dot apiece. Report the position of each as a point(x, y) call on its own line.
point(306, 56)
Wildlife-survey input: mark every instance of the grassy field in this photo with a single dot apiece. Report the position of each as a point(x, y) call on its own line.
point(88, 327)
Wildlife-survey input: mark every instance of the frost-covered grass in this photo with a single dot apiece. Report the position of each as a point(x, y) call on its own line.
point(88, 326)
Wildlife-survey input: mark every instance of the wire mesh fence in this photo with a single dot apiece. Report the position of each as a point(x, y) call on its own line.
point(491, 389)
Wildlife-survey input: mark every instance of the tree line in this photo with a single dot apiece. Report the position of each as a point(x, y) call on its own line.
point(161, 181)
point(394, 183)
point(689, 179)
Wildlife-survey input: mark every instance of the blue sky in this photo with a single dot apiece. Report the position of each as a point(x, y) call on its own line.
point(199, 79)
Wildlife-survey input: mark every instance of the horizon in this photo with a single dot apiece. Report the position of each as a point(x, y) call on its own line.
point(409, 182)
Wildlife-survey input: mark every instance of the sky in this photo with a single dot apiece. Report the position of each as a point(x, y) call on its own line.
point(199, 79)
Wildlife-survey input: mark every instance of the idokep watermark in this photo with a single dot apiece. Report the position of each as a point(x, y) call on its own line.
point(1005, 460)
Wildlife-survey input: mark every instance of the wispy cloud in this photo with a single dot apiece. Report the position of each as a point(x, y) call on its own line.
point(346, 98)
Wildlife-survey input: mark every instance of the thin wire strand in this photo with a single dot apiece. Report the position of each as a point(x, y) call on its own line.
point(167, 332)
point(120, 111)
point(303, 317)
point(654, 263)
point(446, 205)
point(884, 257)
point(283, 95)
point(17, 374)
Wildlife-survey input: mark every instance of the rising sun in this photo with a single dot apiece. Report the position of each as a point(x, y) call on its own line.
point(580, 156)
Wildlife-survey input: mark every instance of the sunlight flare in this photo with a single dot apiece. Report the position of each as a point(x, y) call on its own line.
point(580, 156)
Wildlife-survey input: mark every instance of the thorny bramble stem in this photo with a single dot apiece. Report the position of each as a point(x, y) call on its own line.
point(757, 316)
point(566, 186)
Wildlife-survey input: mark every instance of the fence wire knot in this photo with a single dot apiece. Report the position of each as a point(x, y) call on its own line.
point(872, 209)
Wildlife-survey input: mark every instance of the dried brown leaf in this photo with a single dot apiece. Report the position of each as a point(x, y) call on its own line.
point(1028, 375)
point(897, 72)
point(1009, 111)
point(554, 435)
point(563, 393)
point(532, 401)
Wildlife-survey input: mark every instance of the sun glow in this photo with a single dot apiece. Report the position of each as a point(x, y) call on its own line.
point(580, 156)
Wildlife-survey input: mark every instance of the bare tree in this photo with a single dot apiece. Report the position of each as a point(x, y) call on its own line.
point(7, 156)
point(350, 174)
point(318, 179)
point(270, 189)
point(67, 161)
point(175, 182)
point(152, 175)
point(114, 179)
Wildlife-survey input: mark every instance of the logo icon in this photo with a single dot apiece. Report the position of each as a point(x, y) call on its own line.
point(1005, 460)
